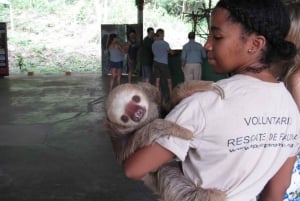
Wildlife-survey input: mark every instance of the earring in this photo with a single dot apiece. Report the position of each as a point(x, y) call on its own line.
point(250, 50)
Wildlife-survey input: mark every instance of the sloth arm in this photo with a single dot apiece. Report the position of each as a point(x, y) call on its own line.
point(146, 160)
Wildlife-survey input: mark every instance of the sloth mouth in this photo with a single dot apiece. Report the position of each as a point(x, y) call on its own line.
point(138, 115)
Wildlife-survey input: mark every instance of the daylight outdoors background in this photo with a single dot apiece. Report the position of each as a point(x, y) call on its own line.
point(54, 36)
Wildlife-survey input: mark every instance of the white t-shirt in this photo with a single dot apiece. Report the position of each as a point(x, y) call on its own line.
point(239, 142)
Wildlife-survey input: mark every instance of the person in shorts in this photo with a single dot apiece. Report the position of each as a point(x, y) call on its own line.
point(161, 50)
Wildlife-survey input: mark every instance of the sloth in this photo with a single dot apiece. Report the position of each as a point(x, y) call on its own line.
point(134, 119)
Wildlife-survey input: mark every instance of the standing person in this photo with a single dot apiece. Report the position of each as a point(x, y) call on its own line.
point(147, 55)
point(161, 50)
point(248, 140)
point(192, 57)
point(116, 56)
point(292, 80)
point(132, 53)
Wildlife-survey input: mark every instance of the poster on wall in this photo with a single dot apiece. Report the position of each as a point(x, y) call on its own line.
point(121, 30)
point(3, 50)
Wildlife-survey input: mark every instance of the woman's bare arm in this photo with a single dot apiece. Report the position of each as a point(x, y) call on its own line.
point(145, 160)
point(276, 187)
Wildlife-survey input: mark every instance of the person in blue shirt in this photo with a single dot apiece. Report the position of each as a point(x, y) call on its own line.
point(161, 49)
point(192, 57)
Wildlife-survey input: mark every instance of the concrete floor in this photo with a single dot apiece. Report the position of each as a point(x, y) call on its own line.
point(53, 146)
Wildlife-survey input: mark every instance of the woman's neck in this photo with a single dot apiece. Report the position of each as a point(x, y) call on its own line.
point(259, 71)
point(265, 75)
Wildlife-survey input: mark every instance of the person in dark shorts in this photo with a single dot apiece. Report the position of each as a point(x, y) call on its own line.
point(161, 49)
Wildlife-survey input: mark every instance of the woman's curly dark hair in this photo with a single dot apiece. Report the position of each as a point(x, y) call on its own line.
point(264, 17)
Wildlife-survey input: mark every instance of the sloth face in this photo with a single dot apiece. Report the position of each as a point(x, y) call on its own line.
point(129, 106)
point(133, 110)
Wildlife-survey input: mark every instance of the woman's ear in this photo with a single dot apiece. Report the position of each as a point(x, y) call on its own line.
point(258, 42)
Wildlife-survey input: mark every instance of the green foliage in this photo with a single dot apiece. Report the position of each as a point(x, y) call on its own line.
point(120, 12)
point(70, 2)
point(49, 34)
point(30, 4)
point(183, 9)
point(72, 62)
point(20, 62)
point(24, 66)
point(23, 42)
point(41, 5)
point(4, 13)
point(176, 7)
point(53, 61)
point(81, 14)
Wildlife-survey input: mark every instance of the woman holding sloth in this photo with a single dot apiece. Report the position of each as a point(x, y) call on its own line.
point(246, 38)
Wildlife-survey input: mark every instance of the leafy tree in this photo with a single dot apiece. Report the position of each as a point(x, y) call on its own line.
point(177, 7)
point(195, 12)
point(199, 18)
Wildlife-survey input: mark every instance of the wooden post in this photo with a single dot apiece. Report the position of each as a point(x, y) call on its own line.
point(140, 7)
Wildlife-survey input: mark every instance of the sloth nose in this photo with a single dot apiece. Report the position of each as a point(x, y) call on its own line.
point(134, 111)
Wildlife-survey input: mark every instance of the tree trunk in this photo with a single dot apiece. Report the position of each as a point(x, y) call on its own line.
point(183, 8)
